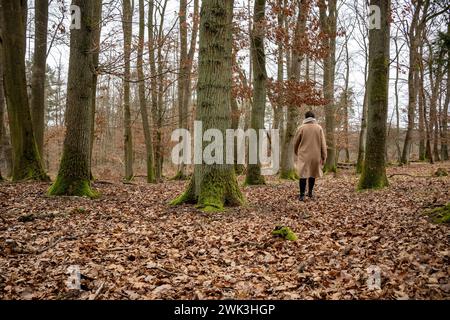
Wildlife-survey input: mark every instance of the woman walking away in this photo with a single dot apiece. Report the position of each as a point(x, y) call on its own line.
point(311, 150)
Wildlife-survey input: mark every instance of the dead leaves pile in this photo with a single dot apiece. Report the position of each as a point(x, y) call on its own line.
point(130, 244)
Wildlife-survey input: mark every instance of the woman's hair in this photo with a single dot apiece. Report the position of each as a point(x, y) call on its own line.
point(310, 114)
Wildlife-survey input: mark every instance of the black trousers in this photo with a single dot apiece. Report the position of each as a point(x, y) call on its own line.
point(311, 182)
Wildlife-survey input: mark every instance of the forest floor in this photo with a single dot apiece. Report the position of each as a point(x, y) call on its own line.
point(130, 244)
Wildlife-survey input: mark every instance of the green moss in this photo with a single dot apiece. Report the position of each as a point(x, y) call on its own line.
point(441, 172)
point(254, 177)
point(186, 197)
point(218, 189)
point(78, 187)
point(285, 233)
point(31, 172)
point(372, 182)
point(373, 179)
point(330, 169)
point(239, 169)
point(289, 175)
point(440, 215)
point(180, 176)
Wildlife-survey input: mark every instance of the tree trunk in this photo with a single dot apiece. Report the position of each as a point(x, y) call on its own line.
point(183, 80)
point(328, 23)
point(38, 75)
point(346, 101)
point(97, 16)
point(74, 172)
point(235, 118)
point(254, 176)
point(2, 108)
point(436, 77)
point(153, 83)
point(374, 169)
point(278, 106)
point(158, 93)
point(142, 98)
point(414, 35)
point(27, 164)
point(128, 139)
point(182, 109)
point(422, 114)
point(288, 170)
point(397, 109)
point(445, 117)
point(363, 131)
point(422, 106)
point(213, 186)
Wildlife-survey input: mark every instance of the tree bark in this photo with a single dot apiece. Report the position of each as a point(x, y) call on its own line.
point(346, 101)
point(278, 106)
point(420, 78)
point(153, 84)
point(445, 116)
point(363, 131)
point(127, 25)
point(182, 108)
point(27, 164)
point(374, 170)
point(2, 107)
point(288, 170)
point(38, 74)
point(213, 186)
point(97, 16)
point(328, 23)
point(254, 176)
point(414, 35)
point(74, 172)
point(436, 77)
point(142, 98)
point(397, 109)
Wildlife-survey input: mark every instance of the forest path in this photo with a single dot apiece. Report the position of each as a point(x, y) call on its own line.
point(133, 245)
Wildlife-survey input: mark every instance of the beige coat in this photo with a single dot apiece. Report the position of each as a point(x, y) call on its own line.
point(311, 149)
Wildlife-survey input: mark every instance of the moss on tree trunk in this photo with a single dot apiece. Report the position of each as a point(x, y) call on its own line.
point(214, 186)
point(289, 174)
point(74, 172)
point(27, 164)
point(73, 186)
point(374, 170)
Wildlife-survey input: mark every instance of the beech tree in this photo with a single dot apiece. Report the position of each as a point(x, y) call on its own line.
point(215, 185)
point(74, 172)
point(415, 33)
point(142, 97)
point(38, 74)
point(328, 21)
point(127, 26)
point(374, 168)
point(288, 170)
point(97, 21)
point(254, 176)
point(2, 106)
point(186, 62)
point(27, 164)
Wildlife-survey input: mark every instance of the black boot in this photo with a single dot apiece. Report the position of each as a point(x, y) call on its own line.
point(311, 182)
point(302, 189)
